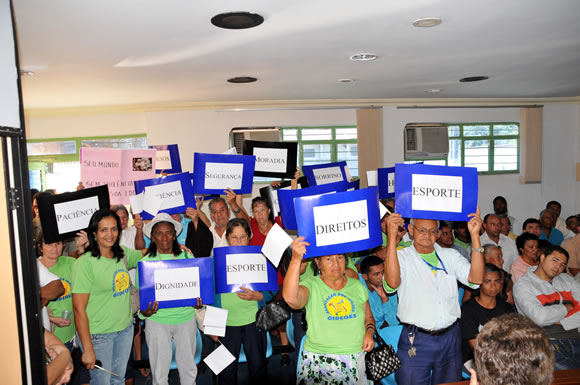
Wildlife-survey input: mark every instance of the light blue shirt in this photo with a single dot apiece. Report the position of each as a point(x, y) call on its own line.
point(382, 312)
point(556, 237)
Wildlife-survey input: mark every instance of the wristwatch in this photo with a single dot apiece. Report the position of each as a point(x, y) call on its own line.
point(480, 250)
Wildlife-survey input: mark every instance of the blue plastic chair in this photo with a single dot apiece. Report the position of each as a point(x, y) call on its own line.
point(290, 332)
point(198, 350)
point(461, 292)
point(300, 355)
point(391, 335)
point(243, 358)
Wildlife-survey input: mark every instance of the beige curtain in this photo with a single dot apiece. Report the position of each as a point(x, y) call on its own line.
point(370, 141)
point(531, 144)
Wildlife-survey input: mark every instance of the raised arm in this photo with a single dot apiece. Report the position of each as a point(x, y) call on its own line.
point(392, 268)
point(139, 237)
point(477, 261)
point(296, 296)
point(235, 202)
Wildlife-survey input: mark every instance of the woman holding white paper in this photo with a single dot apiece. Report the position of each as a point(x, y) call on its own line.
point(241, 322)
point(340, 323)
point(163, 325)
point(101, 298)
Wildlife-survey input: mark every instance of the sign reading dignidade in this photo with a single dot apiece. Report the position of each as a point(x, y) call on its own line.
point(340, 223)
point(168, 160)
point(175, 282)
point(169, 194)
point(273, 159)
point(435, 192)
point(325, 173)
point(243, 266)
point(214, 173)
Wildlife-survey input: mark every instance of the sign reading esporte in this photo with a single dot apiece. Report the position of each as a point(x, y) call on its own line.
point(339, 223)
point(214, 173)
point(273, 159)
point(435, 192)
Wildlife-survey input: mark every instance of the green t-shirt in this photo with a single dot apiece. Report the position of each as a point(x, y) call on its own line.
point(172, 316)
point(465, 245)
point(107, 282)
point(336, 319)
point(63, 270)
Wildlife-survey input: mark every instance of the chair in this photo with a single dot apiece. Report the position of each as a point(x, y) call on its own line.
point(242, 358)
point(300, 355)
point(391, 335)
point(198, 350)
point(290, 332)
point(461, 292)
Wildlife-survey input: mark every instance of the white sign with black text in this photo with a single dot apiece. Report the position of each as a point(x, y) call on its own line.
point(223, 175)
point(169, 194)
point(341, 223)
point(271, 159)
point(175, 284)
point(246, 268)
point(75, 215)
point(163, 160)
point(437, 193)
point(391, 183)
point(328, 175)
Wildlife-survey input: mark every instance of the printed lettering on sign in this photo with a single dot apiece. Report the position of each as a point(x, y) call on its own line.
point(437, 193)
point(163, 160)
point(170, 194)
point(328, 175)
point(341, 223)
point(271, 159)
point(75, 215)
point(223, 175)
point(391, 183)
point(246, 268)
point(175, 284)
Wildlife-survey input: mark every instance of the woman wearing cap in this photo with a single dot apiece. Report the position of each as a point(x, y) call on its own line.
point(163, 325)
point(101, 298)
point(340, 323)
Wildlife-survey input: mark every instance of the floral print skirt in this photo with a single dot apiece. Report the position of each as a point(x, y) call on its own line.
point(332, 369)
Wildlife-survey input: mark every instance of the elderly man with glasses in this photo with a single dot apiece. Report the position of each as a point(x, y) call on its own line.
point(426, 275)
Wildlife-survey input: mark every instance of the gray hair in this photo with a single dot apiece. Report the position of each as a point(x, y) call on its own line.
point(544, 211)
point(216, 200)
point(413, 221)
point(488, 247)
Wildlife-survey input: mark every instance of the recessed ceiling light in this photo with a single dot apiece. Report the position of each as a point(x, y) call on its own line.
point(426, 22)
point(237, 20)
point(363, 57)
point(473, 79)
point(242, 79)
point(27, 73)
point(345, 80)
point(432, 90)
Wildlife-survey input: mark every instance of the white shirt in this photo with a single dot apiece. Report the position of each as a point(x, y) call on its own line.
point(508, 247)
point(430, 301)
point(128, 237)
point(44, 278)
point(217, 240)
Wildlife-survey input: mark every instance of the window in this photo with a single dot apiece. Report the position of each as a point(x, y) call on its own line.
point(54, 163)
point(493, 148)
point(325, 145)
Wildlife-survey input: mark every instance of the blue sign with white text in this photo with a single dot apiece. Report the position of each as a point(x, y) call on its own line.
point(214, 173)
point(386, 182)
point(168, 160)
point(319, 174)
point(174, 191)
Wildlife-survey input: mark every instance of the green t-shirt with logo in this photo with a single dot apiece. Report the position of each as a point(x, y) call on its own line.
point(63, 270)
point(107, 282)
point(240, 311)
point(336, 319)
point(170, 316)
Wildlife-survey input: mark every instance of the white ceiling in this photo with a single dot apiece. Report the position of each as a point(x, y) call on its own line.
point(111, 52)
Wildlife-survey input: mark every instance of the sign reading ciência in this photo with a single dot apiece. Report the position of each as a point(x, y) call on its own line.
point(435, 192)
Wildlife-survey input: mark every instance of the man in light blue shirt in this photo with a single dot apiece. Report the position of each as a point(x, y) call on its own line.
point(383, 306)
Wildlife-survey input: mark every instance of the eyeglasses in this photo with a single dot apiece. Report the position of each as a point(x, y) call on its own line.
point(423, 231)
point(238, 239)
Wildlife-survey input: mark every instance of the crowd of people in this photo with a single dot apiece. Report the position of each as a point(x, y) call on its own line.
point(445, 283)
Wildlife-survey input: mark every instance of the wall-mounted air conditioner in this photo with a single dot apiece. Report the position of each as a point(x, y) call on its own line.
point(239, 134)
point(426, 141)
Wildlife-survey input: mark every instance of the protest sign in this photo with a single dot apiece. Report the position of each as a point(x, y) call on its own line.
point(386, 181)
point(116, 168)
point(435, 192)
point(243, 266)
point(169, 194)
point(340, 223)
point(319, 174)
point(273, 159)
point(286, 200)
point(214, 173)
point(270, 193)
point(175, 282)
point(64, 215)
point(167, 159)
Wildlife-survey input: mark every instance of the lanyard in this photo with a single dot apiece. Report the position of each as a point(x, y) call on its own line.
point(435, 268)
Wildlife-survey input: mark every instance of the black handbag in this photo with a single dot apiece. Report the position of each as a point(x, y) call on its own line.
point(272, 315)
point(381, 361)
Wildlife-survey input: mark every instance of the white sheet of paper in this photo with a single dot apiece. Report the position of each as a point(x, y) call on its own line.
point(391, 183)
point(441, 193)
point(277, 241)
point(151, 203)
point(163, 160)
point(246, 268)
point(215, 316)
point(214, 331)
point(219, 359)
point(329, 217)
point(271, 159)
point(383, 210)
point(347, 173)
point(231, 151)
point(170, 194)
point(75, 215)
point(328, 175)
point(137, 202)
point(224, 175)
point(372, 178)
point(188, 279)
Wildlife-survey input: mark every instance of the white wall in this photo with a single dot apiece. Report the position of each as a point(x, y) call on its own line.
point(561, 148)
point(208, 131)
